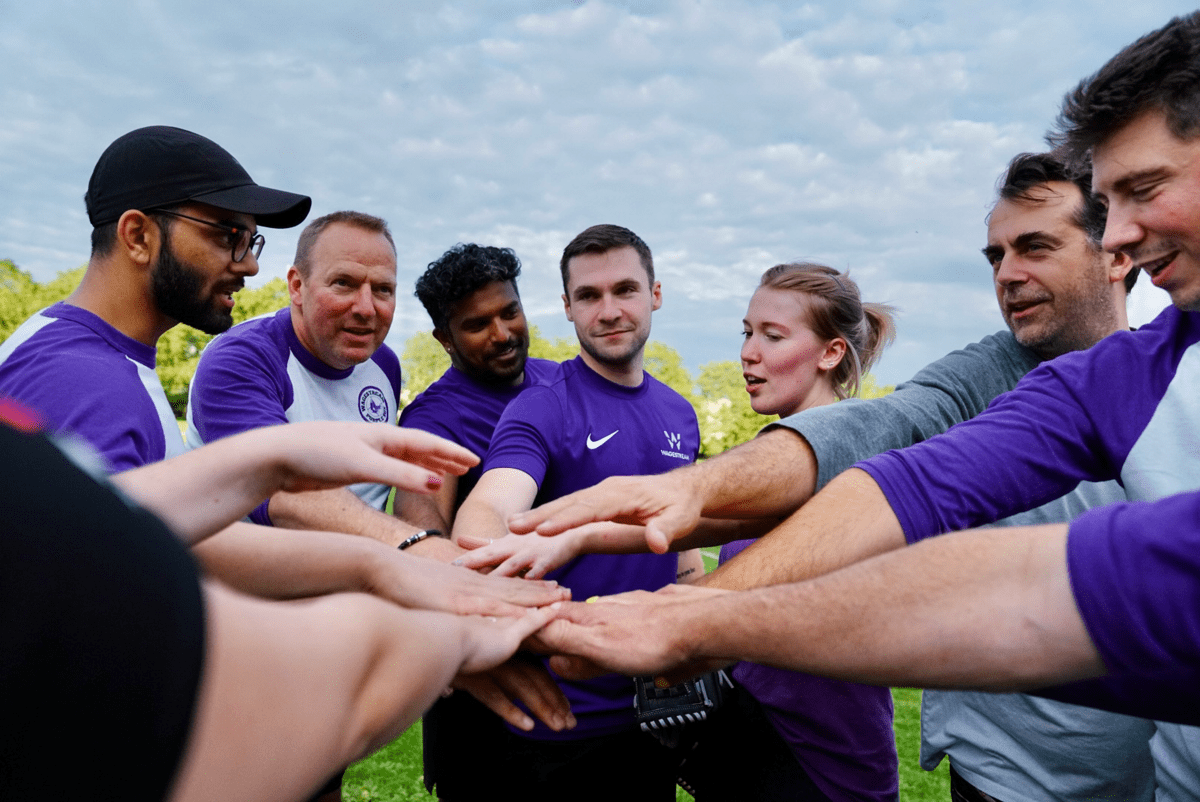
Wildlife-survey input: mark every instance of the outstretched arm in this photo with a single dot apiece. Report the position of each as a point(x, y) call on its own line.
point(982, 609)
point(289, 564)
point(500, 492)
point(202, 491)
point(848, 521)
point(768, 477)
point(264, 731)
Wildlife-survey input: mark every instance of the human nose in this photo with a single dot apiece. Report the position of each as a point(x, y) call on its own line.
point(364, 302)
point(248, 266)
point(1121, 230)
point(750, 350)
point(610, 310)
point(1011, 270)
point(499, 332)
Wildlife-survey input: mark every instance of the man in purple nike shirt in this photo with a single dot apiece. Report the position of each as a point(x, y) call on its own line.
point(603, 415)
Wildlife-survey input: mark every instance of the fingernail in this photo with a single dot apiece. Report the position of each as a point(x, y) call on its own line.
point(433, 482)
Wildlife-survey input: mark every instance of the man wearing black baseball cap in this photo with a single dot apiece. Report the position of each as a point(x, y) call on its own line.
point(174, 236)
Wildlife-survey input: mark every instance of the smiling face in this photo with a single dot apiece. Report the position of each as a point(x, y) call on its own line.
point(343, 309)
point(1150, 181)
point(194, 277)
point(609, 299)
point(487, 336)
point(1054, 287)
point(786, 366)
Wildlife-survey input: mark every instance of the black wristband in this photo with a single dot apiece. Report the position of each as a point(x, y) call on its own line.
point(417, 537)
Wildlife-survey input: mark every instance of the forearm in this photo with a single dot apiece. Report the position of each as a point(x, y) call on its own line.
point(199, 492)
point(771, 475)
point(287, 563)
point(848, 521)
point(337, 510)
point(428, 511)
point(989, 609)
point(479, 521)
point(370, 670)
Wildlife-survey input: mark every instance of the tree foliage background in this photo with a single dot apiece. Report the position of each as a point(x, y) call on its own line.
point(718, 393)
point(178, 350)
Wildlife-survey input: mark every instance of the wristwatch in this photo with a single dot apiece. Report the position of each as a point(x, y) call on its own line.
point(417, 537)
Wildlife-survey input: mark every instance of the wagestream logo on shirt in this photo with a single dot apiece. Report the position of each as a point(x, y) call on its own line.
point(674, 443)
point(373, 405)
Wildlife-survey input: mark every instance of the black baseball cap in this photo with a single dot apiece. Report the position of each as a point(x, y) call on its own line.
point(160, 165)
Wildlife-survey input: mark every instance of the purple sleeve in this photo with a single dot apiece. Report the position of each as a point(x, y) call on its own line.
point(531, 423)
point(1134, 569)
point(1031, 446)
point(239, 385)
point(1072, 419)
point(103, 402)
point(431, 416)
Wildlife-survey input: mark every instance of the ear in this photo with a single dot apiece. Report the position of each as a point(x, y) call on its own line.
point(445, 340)
point(835, 352)
point(567, 307)
point(656, 294)
point(138, 236)
point(295, 282)
point(1119, 265)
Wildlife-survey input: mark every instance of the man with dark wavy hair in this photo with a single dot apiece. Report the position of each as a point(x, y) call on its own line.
point(471, 295)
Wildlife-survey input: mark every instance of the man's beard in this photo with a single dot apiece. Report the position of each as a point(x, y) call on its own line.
point(179, 293)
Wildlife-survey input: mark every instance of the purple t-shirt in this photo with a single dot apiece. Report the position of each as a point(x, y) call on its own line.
point(465, 411)
point(573, 433)
point(841, 732)
point(259, 374)
point(85, 377)
point(1134, 569)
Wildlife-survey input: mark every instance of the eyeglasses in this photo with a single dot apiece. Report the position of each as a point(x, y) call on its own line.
point(241, 241)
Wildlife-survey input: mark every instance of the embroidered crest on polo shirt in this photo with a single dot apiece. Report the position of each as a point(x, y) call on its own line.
point(674, 443)
point(373, 405)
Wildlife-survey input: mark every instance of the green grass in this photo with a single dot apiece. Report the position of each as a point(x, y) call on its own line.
point(393, 774)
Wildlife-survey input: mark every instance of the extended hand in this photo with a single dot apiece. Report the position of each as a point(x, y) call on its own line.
point(631, 633)
point(530, 556)
point(324, 454)
point(424, 583)
point(667, 505)
point(525, 681)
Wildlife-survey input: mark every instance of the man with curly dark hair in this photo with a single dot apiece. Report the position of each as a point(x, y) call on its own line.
point(471, 295)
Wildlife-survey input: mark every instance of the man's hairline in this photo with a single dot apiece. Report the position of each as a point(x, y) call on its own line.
point(1073, 217)
point(650, 282)
point(349, 224)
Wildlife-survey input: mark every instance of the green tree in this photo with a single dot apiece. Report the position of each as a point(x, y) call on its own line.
point(560, 350)
point(179, 349)
point(21, 296)
point(422, 361)
point(723, 407)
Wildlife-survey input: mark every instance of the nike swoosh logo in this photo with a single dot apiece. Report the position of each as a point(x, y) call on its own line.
point(597, 443)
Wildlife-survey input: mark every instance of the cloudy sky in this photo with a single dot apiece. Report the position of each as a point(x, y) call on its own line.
point(731, 135)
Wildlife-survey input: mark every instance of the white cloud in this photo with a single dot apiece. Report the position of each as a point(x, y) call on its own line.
point(731, 134)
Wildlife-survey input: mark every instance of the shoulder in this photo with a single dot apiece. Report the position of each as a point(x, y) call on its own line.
point(540, 371)
point(996, 357)
point(265, 336)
